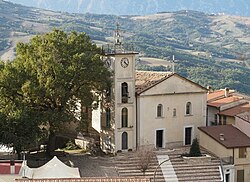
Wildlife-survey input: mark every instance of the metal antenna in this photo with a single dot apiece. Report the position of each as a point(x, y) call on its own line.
point(118, 38)
point(173, 64)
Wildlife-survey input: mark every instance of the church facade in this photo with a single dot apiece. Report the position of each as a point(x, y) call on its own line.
point(160, 109)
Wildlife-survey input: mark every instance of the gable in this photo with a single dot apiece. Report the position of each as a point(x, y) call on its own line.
point(174, 84)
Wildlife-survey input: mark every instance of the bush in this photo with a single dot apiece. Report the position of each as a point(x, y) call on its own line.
point(195, 149)
point(71, 146)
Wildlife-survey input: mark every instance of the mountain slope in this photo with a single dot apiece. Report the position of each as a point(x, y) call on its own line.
point(135, 7)
point(209, 49)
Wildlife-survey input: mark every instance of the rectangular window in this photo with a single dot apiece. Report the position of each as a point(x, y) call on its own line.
point(240, 175)
point(243, 152)
point(215, 119)
point(174, 112)
point(220, 120)
point(224, 120)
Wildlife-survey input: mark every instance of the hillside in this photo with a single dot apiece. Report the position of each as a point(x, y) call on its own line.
point(209, 49)
point(141, 7)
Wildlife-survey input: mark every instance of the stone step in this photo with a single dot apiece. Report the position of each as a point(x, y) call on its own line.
point(213, 175)
point(196, 168)
point(133, 161)
point(135, 166)
point(176, 165)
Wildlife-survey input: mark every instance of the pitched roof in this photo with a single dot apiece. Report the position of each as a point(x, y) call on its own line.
point(145, 80)
point(89, 179)
point(223, 101)
point(233, 137)
point(217, 94)
point(236, 110)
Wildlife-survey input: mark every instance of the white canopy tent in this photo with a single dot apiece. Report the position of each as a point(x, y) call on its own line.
point(52, 169)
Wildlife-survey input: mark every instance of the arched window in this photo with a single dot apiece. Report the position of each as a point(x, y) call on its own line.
point(159, 110)
point(174, 112)
point(124, 92)
point(108, 117)
point(124, 140)
point(188, 108)
point(124, 117)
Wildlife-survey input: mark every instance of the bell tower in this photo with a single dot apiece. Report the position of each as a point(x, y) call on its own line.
point(122, 130)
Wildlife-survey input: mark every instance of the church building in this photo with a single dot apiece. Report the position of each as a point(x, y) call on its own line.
point(161, 109)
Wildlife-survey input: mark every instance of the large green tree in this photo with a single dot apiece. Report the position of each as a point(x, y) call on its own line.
point(51, 76)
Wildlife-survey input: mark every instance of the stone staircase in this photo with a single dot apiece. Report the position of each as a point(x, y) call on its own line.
point(127, 165)
point(185, 170)
point(205, 169)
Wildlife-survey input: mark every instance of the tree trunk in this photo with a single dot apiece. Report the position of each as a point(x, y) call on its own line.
point(18, 150)
point(51, 143)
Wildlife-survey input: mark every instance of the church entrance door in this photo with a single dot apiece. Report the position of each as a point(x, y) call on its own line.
point(124, 141)
point(159, 138)
point(188, 136)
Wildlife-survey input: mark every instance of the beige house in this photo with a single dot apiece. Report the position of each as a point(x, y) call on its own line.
point(161, 109)
point(233, 148)
point(224, 105)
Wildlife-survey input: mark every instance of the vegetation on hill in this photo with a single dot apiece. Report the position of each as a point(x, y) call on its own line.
point(209, 49)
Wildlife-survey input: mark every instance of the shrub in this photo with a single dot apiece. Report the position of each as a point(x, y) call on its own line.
point(71, 146)
point(195, 149)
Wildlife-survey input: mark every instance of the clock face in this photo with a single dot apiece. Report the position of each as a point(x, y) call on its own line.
point(108, 62)
point(124, 62)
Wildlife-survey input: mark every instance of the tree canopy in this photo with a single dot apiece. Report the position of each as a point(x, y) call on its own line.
point(51, 76)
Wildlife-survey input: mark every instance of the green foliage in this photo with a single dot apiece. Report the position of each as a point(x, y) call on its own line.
point(44, 85)
point(195, 149)
point(70, 145)
point(20, 130)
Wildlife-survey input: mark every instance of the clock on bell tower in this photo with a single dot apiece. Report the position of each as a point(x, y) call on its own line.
point(122, 111)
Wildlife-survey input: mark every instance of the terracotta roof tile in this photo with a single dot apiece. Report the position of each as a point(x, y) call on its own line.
point(236, 110)
point(89, 179)
point(217, 94)
point(147, 79)
point(226, 100)
point(233, 137)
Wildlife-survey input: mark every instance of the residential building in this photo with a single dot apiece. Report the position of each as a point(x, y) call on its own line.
point(223, 105)
point(232, 146)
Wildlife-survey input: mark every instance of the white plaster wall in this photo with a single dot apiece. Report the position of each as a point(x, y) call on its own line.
point(173, 126)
